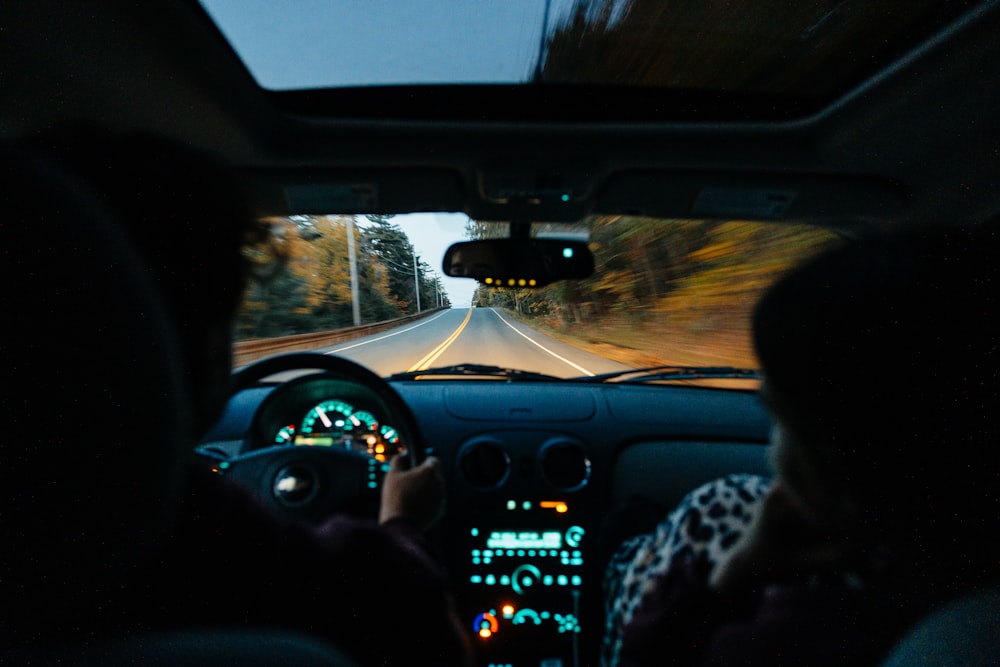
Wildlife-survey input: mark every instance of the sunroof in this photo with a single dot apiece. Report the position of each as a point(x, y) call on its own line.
point(333, 44)
point(809, 50)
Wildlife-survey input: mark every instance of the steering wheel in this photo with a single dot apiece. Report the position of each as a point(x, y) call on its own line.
point(316, 482)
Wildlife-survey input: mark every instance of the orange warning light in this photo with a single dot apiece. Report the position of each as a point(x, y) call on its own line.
point(556, 505)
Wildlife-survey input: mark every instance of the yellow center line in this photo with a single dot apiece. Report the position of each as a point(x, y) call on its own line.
point(426, 362)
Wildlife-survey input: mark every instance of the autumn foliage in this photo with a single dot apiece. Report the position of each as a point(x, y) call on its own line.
point(311, 289)
point(665, 291)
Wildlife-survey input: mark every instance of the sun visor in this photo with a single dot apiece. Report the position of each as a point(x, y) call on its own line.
point(359, 191)
point(734, 196)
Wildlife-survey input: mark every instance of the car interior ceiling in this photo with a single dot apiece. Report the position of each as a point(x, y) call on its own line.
point(218, 106)
point(857, 162)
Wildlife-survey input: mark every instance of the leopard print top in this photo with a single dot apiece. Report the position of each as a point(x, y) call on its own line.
point(705, 525)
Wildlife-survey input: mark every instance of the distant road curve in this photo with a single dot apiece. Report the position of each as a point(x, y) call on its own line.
point(473, 335)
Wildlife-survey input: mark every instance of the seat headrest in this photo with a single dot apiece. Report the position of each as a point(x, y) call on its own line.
point(92, 407)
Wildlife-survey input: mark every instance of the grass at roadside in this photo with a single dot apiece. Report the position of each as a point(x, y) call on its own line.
point(657, 342)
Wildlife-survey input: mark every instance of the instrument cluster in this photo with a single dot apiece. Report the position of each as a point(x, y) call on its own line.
point(324, 411)
point(337, 423)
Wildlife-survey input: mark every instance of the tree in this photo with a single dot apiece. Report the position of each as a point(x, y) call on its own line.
point(325, 271)
point(276, 305)
point(313, 292)
point(391, 247)
point(695, 274)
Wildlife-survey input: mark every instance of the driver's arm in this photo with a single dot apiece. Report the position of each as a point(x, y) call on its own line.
point(375, 591)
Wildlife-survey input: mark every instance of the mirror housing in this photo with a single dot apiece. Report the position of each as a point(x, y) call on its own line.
point(529, 262)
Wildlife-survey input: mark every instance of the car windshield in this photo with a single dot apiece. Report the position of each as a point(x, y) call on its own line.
point(673, 293)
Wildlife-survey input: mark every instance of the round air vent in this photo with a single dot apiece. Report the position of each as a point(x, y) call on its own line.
point(564, 464)
point(484, 463)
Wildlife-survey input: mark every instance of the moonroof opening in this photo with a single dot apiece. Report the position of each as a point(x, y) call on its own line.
point(804, 51)
point(312, 44)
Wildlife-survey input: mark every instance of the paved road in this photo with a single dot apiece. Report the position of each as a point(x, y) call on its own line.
point(474, 335)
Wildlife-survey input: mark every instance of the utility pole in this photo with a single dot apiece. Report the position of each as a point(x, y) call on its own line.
point(353, 264)
point(416, 281)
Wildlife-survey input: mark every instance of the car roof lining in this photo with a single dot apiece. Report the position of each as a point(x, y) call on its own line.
point(164, 67)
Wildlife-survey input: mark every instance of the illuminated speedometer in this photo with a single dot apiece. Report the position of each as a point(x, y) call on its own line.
point(326, 424)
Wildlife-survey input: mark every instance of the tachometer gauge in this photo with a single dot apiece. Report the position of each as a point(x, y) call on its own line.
point(365, 421)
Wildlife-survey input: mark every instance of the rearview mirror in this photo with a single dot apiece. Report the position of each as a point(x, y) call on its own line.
point(528, 262)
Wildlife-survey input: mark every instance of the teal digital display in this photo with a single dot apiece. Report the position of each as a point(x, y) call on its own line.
point(549, 539)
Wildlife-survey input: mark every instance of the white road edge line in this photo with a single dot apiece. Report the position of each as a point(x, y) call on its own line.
point(543, 348)
point(395, 333)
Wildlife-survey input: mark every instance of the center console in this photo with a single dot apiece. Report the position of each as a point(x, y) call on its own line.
point(521, 565)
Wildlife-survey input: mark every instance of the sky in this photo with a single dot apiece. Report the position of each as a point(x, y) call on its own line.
point(431, 234)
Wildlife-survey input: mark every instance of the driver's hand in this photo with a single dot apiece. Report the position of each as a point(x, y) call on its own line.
point(416, 494)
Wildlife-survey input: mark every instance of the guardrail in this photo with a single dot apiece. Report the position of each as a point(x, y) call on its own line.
point(248, 351)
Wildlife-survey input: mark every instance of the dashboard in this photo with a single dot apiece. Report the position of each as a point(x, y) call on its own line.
point(533, 471)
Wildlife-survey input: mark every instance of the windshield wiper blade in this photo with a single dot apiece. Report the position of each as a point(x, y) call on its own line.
point(474, 370)
point(656, 373)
